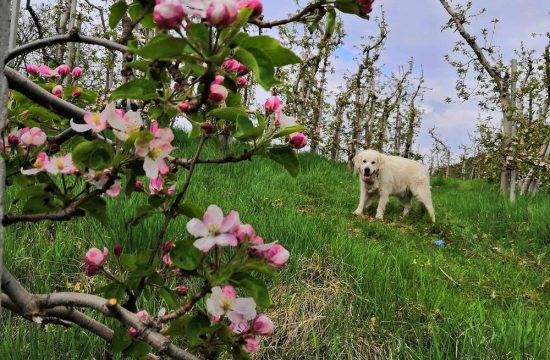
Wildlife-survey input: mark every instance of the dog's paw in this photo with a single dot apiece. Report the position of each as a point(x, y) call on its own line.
point(379, 217)
point(357, 213)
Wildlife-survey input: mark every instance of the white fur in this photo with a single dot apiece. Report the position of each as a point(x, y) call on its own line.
point(391, 175)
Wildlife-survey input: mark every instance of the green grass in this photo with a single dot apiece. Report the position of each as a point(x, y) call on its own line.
point(355, 288)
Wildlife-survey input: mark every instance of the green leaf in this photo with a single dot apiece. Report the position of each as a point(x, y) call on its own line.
point(138, 350)
point(165, 48)
point(185, 255)
point(279, 55)
point(43, 113)
point(350, 7)
point(266, 76)
point(117, 11)
point(87, 95)
point(229, 113)
point(253, 287)
point(114, 290)
point(97, 208)
point(190, 210)
point(96, 154)
point(121, 340)
point(39, 204)
point(246, 131)
point(198, 34)
point(139, 89)
point(142, 212)
point(196, 326)
point(169, 297)
point(128, 261)
point(259, 266)
point(285, 156)
point(289, 130)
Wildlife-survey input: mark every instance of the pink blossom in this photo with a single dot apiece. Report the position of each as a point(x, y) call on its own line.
point(207, 127)
point(33, 69)
point(262, 325)
point(256, 6)
point(114, 190)
point(366, 5)
point(168, 14)
point(117, 249)
point(156, 185)
point(218, 79)
point(45, 71)
point(98, 179)
point(184, 107)
point(214, 229)
point(251, 344)
point(95, 122)
point(39, 165)
point(132, 332)
point(138, 185)
point(166, 259)
point(275, 255)
point(124, 124)
point(32, 137)
point(77, 72)
point(272, 104)
point(242, 81)
point(243, 231)
point(96, 257)
point(222, 13)
point(231, 65)
point(182, 290)
point(282, 121)
point(61, 165)
point(240, 328)
point(196, 8)
point(217, 93)
point(167, 246)
point(171, 189)
point(243, 69)
point(77, 92)
point(13, 140)
point(155, 151)
point(91, 270)
point(58, 91)
point(63, 70)
point(298, 140)
point(256, 240)
point(143, 314)
point(224, 301)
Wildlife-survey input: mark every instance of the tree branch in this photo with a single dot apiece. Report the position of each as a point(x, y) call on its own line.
point(299, 16)
point(185, 163)
point(188, 306)
point(72, 36)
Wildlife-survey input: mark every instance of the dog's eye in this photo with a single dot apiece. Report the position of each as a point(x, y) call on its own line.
point(364, 161)
point(374, 162)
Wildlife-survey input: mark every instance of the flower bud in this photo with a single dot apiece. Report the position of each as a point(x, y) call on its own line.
point(218, 80)
point(231, 65)
point(242, 81)
point(243, 70)
point(77, 72)
point(218, 93)
point(24, 113)
point(182, 290)
point(256, 6)
point(184, 107)
point(272, 104)
point(167, 246)
point(63, 70)
point(58, 91)
point(117, 249)
point(138, 185)
point(168, 14)
point(365, 5)
point(298, 141)
point(13, 140)
point(77, 92)
point(262, 325)
point(222, 13)
point(33, 69)
point(53, 148)
point(132, 332)
point(207, 128)
point(251, 344)
point(91, 270)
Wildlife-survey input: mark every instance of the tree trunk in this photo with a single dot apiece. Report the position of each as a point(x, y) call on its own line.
point(16, 7)
point(513, 172)
point(315, 131)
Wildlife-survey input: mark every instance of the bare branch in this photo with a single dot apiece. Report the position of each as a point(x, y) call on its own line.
point(299, 16)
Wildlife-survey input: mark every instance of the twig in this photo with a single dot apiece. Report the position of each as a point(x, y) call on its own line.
point(299, 16)
point(450, 278)
point(188, 306)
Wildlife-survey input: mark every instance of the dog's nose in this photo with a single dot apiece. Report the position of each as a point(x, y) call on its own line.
point(367, 171)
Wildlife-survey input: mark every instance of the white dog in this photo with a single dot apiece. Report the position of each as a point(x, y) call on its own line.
point(383, 175)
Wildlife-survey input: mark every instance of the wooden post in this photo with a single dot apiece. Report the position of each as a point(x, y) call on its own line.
point(513, 89)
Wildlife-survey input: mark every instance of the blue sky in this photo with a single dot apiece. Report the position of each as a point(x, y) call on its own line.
point(415, 30)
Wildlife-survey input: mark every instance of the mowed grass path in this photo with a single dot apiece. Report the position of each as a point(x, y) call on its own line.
point(355, 288)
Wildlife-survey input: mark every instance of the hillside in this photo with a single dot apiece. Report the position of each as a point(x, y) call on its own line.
point(355, 288)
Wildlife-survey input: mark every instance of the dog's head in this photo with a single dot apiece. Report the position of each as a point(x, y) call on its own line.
point(369, 163)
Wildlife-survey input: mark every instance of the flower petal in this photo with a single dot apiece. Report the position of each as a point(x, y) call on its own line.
point(230, 221)
point(151, 168)
point(204, 244)
point(197, 228)
point(213, 215)
point(80, 127)
point(226, 240)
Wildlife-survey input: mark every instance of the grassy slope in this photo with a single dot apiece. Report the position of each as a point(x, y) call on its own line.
point(355, 288)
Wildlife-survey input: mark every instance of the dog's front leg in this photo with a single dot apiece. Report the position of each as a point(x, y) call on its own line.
point(384, 197)
point(362, 198)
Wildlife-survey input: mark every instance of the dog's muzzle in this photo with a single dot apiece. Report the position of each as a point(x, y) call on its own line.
point(366, 176)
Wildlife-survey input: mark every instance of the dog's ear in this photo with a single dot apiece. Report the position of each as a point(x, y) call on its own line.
point(381, 162)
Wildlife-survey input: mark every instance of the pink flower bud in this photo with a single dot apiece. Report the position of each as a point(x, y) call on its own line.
point(256, 6)
point(168, 14)
point(143, 314)
point(277, 256)
point(138, 185)
point(207, 128)
point(231, 65)
point(222, 13)
point(243, 231)
point(257, 240)
point(63, 70)
point(117, 249)
point(242, 81)
point(32, 137)
point(45, 71)
point(243, 70)
point(167, 246)
point(272, 104)
point(58, 91)
point(262, 325)
point(217, 93)
point(171, 189)
point(365, 5)
point(33, 69)
point(77, 92)
point(167, 260)
point(53, 148)
point(182, 290)
point(13, 140)
point(96, 257)
point(133, 332)
point(77, 72)
point(156, 185)
point(298, 140)
point(251, 344)
point(24, 113)
point(218, 80)
point(184, 107)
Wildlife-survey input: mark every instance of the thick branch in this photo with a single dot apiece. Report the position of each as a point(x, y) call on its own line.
point(299, 16)
point(72, 36)
point(227, 159)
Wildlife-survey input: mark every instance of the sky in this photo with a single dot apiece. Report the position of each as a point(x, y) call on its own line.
point(415, 30)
